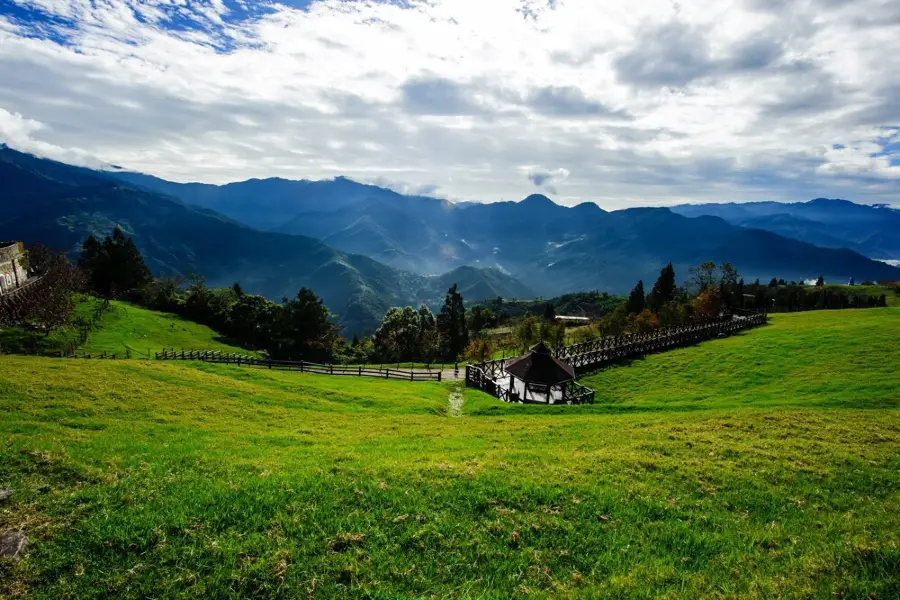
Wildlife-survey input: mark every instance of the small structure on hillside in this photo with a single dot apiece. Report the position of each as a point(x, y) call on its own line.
point(570, 320)
point(540, 378)
point(13, 266)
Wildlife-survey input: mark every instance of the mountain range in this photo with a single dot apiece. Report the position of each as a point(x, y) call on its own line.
point(364, 248)
point(60, 205)
point(552, 248)
point(870, 230)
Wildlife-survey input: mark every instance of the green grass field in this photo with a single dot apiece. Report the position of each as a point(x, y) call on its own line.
point(126, 327)
point(761, 466)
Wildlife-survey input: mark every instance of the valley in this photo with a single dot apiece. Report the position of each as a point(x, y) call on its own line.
point(735, 467)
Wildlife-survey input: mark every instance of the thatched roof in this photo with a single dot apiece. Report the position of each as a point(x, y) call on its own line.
point(539, 366)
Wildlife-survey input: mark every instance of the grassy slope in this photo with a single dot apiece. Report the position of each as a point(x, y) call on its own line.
point(891, 293)
point(145, 479)
point(126, 326)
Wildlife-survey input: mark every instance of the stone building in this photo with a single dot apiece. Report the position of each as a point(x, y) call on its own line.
point(13, 266)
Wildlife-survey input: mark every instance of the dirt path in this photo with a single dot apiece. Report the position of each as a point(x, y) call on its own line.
point(451, 375)
point(456, 401)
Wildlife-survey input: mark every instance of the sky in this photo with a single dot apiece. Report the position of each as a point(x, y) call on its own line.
point(621, 102)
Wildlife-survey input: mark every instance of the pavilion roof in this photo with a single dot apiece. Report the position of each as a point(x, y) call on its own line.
point(540, 366)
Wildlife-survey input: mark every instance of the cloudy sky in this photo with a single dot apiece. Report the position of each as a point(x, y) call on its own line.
point(623, 102)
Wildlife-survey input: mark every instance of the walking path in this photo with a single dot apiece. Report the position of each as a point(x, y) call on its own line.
point(456, 401)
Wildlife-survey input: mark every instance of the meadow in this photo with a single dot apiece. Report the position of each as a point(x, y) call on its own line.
point(130, 329)
point(766, 465)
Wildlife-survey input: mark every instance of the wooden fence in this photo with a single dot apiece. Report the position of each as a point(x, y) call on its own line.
point(603, 351)
point(488, 376)
point(243, 360)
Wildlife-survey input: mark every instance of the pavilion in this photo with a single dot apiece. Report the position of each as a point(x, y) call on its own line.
point(540, 378)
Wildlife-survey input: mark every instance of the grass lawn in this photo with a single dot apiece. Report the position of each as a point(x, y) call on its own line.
point(138, 330)
point(761, 466)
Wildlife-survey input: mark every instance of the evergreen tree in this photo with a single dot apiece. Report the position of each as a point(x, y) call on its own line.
point(636, 299)
point(114, 267)
point(451, 325)
point(774, 282)
point(549, 312)
point(304, 331)
point(663, 290)
point(93, 264)
point(820, 281)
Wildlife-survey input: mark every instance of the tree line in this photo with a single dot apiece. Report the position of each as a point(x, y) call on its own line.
point(301, 328)
point(298, 328)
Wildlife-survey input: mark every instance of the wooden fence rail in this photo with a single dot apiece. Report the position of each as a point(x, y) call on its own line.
point(608, 350)
point(243, 360)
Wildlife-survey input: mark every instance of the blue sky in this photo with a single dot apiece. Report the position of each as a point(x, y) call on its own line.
point(622, 102)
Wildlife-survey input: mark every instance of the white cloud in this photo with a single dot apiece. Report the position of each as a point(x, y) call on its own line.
point(623, 102)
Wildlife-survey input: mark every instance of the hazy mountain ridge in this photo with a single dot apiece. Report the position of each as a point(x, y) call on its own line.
point(60, 205)
point(383, 249)
point(872, 230)
point(555, 249)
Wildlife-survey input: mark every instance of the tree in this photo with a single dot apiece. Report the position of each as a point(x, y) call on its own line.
point(93, 263)
point(728, 275)
point(820, 281)
point(451, 325)
point(479, 350)
point(739, 293)
point(303, 331)
point(252, 320)
point(128, 269)
point(480, 318)
point(53, 302)
point(708, 304)
point(663, 290)
point(406, 335)
point(553, 335)
point(527, 333)
point(774, 282)
point(549, 312)
point(703, 276)
point(643, 322)
point(636, 299)
point(115, 266)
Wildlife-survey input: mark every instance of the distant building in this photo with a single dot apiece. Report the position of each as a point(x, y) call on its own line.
point(13, 266)
point(573, 320)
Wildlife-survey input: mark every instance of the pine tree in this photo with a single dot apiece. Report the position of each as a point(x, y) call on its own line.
point(636, 299)
point(663, 290)
point(549, 312)
point(451, 325)
point(114, 266)
point(305, 332)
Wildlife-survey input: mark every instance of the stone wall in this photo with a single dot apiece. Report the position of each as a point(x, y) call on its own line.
point(12, 273)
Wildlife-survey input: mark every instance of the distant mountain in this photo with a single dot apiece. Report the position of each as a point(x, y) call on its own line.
point(870, 230)
point(58, 205)
point(551, 248)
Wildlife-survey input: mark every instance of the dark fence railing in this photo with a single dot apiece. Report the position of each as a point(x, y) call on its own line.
point(489, 376)
point(244, 360)
point(602, 351)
